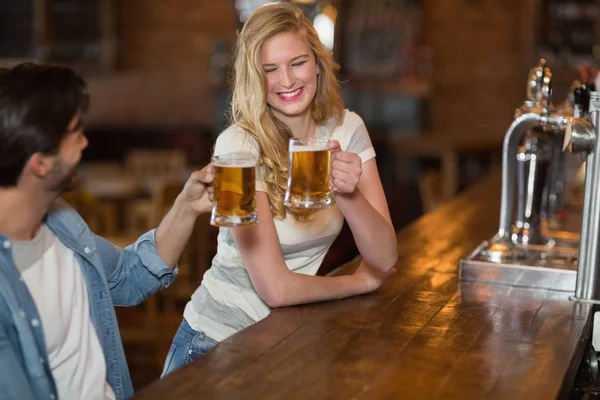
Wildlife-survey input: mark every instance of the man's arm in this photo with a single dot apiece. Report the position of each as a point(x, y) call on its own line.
point(175, 230)
point(139, 270)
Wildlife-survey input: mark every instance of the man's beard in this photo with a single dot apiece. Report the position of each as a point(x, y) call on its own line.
point(68, 181)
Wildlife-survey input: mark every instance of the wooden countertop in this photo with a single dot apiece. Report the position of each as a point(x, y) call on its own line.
point(423, 335)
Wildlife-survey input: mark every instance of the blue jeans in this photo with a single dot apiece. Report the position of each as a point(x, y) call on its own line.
point(187, 346)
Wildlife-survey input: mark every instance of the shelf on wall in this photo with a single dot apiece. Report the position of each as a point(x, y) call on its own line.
point(405, 87)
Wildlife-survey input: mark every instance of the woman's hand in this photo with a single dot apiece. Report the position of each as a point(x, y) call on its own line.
point(372, 277)
point(346, 169)
point(198, 190)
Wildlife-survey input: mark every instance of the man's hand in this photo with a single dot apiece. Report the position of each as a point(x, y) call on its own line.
point(198, 190)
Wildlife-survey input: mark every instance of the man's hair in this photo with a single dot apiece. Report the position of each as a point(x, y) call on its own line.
point(37, 102)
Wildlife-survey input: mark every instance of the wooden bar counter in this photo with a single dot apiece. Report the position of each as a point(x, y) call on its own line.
point(422, 335)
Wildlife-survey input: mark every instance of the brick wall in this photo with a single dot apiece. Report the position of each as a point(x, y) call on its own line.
point(163, 75)
point(482, 50)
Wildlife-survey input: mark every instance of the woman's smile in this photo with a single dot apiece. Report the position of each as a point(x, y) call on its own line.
point(291, 96)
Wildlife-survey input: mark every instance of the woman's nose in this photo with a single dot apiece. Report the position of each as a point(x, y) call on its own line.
point(286, 78)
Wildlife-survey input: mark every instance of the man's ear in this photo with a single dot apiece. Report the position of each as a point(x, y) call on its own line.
point(40, 164)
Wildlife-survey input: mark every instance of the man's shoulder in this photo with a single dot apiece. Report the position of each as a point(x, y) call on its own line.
point(61, 216)
point(60, 205)
point(60, 209)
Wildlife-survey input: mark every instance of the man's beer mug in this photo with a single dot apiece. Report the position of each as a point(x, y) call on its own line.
point(234, 189)
point(308, 174)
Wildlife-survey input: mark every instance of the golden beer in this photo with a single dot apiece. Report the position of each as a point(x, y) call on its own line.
point(234, 190)
point(308, 179)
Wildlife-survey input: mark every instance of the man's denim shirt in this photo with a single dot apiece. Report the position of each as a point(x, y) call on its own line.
point(114, 276)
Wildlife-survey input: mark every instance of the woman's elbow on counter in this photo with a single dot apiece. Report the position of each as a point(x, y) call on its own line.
point(275, 289)
point(390, 261)
point(393, 259)
point(269, 296)
point(276, 301)
point(273, 297)
point(385, 261)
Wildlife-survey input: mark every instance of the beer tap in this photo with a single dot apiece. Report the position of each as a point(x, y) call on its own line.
point(533, 162)
point(525, 157)
point(524, 252)
point(582, 136)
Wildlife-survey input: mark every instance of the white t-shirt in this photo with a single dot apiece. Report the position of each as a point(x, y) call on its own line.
point(54, 279)
point(227, 302)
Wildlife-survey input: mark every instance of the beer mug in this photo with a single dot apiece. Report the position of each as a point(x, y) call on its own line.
point(234, 190)
point(308, 174)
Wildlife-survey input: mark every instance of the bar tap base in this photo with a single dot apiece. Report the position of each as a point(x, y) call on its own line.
point(553, 269)
point(585, 301)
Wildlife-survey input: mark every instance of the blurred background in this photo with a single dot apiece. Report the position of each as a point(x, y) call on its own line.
point(436, 82)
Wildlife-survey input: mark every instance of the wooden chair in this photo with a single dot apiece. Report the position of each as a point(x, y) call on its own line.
point(100, 216)
point(152, 168)
point(430, 190)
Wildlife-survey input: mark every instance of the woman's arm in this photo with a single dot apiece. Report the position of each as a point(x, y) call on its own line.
point(361, 199)
point(274, 282)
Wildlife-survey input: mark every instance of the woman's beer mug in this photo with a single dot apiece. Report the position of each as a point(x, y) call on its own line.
point(308, 174)
point(234, 189)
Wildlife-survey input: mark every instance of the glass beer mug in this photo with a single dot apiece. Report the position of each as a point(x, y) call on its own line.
point(308, 174)
point(234, 190)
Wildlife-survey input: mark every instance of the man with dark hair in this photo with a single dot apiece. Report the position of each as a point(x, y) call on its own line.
point(58, 281)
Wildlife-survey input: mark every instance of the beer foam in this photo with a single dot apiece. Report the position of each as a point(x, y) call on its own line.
point(313, 147)
point(238, 160)
point(234, 163)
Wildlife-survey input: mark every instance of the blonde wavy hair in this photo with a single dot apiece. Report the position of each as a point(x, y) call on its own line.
point(249, 108)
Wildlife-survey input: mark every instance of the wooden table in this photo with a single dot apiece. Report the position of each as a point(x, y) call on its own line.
point(448, 149)
point(423, 335)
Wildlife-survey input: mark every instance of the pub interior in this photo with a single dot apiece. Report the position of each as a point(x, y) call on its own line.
point(440, 86)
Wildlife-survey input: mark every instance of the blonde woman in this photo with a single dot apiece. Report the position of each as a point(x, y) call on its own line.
point(285, 88)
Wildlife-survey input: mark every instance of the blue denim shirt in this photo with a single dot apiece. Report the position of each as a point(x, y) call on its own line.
point(114, 276)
